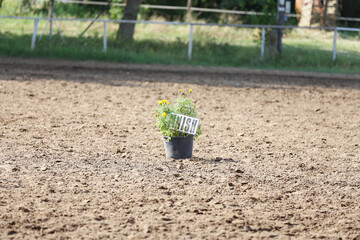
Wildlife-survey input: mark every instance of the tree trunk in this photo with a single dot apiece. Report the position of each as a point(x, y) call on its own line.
point(126, 30)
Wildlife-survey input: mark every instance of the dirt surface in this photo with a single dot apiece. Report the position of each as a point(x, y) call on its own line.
point(80, 158)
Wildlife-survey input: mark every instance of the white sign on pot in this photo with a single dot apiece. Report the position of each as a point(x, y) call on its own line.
point(183, 123)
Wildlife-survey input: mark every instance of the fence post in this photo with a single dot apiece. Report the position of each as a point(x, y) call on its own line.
point(33, 39)
point(105, 38)
point(262, 42)
point(334, 45)
point(190, 42)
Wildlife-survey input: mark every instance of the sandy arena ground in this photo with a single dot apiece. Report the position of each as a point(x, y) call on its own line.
point(80, 158)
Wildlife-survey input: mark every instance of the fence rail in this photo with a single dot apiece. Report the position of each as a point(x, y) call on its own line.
point(191, 25)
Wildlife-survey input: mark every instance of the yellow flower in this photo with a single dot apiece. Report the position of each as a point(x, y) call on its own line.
point(155, 114)
point(167, 102)
point(194, 105)
point(162, 101)
point(179, 90)
point(190, 90)
point(164, 114)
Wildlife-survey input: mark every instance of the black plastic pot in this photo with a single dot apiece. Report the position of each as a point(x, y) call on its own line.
point(179, 147)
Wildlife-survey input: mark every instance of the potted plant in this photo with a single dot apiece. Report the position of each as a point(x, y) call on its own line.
point(178, 124)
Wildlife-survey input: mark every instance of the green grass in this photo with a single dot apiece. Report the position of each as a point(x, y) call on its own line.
point(212, 46)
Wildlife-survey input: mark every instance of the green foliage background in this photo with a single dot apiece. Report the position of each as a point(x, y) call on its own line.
point(29, 8)
point(214, 46)
point(349, 8)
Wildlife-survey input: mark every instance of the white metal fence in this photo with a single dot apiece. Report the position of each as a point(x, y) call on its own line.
point(191, 25)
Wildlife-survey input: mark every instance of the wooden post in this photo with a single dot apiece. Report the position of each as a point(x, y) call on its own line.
point(188, 12)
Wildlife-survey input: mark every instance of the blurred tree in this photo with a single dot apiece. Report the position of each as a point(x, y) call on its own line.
point(115, 11)
point(126, 30)
point(24, 7)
